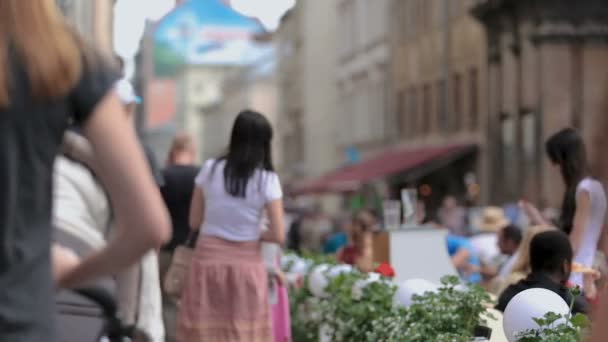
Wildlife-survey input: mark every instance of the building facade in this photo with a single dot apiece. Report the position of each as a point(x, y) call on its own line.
point(409, 76)
point(252, 87)
point(306, 69)
point(94, 19)
point(438, 76)
point(199, 89)
point(547, 69)
point(365, 119)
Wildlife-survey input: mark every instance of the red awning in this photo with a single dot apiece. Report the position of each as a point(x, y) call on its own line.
point(383, 165)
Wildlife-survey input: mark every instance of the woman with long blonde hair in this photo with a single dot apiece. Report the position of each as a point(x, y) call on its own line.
point(49, 78)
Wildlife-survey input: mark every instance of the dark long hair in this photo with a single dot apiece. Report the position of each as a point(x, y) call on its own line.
point(249, 150)
point(567, 149)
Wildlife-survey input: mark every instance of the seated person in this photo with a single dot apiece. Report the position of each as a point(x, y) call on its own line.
point(464, 258)
point(521, 266)
point(461, 252)
point(359, 250)
point(508, 242)
point(550, 263)
point(338, 239)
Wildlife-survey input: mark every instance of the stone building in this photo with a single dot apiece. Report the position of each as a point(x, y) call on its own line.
point(93, 19)
point(547, 63)
point(365, 121)
point(250, 87)
point(439, 94)
point(199, 88)
point(410, 100)
point(306, 69)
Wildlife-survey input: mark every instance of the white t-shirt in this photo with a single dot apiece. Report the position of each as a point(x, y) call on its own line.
point(486, 246)
point(507, 267)
point(234, 218)
point(593, 229)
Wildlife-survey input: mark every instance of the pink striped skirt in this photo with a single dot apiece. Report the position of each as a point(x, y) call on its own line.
point(225, 297)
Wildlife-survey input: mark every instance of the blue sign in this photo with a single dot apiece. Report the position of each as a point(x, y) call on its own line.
point(206, 32)
point(352, 155)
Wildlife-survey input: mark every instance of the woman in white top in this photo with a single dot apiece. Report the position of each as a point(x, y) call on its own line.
point(584, 205)
point(226, 293)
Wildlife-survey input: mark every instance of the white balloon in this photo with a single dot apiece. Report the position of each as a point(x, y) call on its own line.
point(529, 304)
point(299, 267)
point(339, 269)
point(406, 291)
point(361, 284)
point(317, 281)
point(288, 259)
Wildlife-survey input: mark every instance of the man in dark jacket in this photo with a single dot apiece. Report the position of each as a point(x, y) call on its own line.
point(177, 189)
point(551, 263)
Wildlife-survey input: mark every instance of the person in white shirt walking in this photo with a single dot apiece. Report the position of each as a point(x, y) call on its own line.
point(225, 296)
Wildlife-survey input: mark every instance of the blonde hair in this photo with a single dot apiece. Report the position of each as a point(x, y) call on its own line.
point(522, 265)
point(181, 143)
point(35, 32)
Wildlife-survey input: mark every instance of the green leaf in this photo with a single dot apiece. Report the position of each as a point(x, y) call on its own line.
point(580, 321)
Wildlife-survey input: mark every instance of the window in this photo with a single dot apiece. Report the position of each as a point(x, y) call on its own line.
point(456, 102)
point(426, 109)
point(441, 107)
point(474, 99)
point(508, 156)
point(426, 14)
point(413, 112)
point(456, 8)
point(380, 120)
point(348, 28)
point(412, 15)
point(402, 114)
point(530, 141)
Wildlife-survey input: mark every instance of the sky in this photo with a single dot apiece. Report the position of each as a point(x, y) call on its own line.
point(130, 17)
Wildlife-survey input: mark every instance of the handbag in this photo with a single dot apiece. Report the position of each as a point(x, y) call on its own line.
point(174, 281)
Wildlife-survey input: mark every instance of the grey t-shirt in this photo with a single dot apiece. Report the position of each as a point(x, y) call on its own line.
point(30, 134)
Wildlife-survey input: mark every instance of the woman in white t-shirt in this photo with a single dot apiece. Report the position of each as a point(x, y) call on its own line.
point(226, 294)
point(584, 204)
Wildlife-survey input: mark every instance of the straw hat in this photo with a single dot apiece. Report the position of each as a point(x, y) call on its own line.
point(491, 220)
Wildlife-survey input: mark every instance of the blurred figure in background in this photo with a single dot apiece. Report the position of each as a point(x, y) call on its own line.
point(489, 224)
point(584, 205)
point(462, 253)
point(178, 175)
point(49, 77)
point(509, 240)
point(359, 251)
point(339, 239)
point(521, 264)
point(464, 258)
point(139, 286)
point(279, 300)
point(314, 227)
point(130, 99)
point(550, 266)
point(453, 216)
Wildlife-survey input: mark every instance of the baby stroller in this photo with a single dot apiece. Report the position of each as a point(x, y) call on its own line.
point(90, 314)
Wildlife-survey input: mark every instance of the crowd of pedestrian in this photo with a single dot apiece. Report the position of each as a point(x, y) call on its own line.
point(83, 204)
